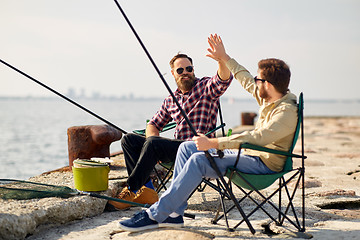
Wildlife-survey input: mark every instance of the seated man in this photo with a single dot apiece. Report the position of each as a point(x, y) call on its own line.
point(199, 99)
point(275, 129)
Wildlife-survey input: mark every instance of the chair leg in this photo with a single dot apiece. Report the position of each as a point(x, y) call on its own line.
point(279, 216)
point(160, 180)
point(223, 207)
point(290, 204)
point(227, 192)
point(301, 227)
point(231, 194)
point(163, 180)
point(216, 217)
point(282, 215)
point(303, 197)
point(201, 188)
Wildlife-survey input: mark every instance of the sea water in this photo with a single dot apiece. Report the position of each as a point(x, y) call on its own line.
point(33, 137)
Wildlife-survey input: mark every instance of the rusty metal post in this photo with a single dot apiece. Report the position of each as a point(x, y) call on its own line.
point(85, 142)
point(247, 118)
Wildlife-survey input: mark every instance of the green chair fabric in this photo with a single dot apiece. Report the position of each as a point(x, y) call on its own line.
point(167, 127)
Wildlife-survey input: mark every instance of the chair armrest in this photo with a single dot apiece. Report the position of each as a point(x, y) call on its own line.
point(168, 126)
point(215, 129)
point(172, 125)
point(269, 150)
point(140, 132)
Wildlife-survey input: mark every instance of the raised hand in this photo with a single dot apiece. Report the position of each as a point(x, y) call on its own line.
point(217, 49)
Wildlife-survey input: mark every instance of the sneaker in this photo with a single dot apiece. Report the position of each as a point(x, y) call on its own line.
point(176, 222)
point(146, 195)
point(126, 195)
point(139, 222)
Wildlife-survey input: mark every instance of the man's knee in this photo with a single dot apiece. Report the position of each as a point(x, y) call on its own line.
point(129, 139)
point(182, 147)
point(198, 157)
point(200, 162)
point(124, 139)
point(153, 139)
point(153, 142)
point(187, 148)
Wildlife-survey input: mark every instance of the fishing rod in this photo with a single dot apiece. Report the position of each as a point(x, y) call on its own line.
point(156, 68)
point(207, 154)
point(64, 97)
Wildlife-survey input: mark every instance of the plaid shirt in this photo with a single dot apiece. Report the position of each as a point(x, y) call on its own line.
point(200, 104)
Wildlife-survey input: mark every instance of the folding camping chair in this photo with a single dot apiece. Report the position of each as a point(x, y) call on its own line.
point(251, 184)
point(163, 180)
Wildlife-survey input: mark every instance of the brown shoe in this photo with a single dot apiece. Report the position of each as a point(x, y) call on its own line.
point(146, 195)
point(126, 195)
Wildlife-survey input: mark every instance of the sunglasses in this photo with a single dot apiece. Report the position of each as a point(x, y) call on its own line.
point(188, 69)
point(259, 79)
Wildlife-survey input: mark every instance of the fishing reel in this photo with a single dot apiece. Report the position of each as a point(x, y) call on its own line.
point(220, 153)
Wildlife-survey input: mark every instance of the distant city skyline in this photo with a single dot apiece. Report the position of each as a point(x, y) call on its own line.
point(133, 96)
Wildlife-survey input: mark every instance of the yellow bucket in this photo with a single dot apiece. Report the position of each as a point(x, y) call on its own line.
point(90, 176)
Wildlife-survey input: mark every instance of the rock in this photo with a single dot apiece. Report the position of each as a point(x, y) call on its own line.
point(336, 192)
point(23, 217)
point(308, 184)
point(312, 184)
point(348, 155)
point(346, 213)
point(20, 218)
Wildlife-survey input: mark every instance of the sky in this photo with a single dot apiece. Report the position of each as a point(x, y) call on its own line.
point(87, 46)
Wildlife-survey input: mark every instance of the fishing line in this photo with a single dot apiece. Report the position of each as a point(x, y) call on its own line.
point(64, 97)
point(156, 68)
point(25, 190)
point(207, 154)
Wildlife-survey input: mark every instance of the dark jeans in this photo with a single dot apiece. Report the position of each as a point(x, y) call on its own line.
point(141, 155)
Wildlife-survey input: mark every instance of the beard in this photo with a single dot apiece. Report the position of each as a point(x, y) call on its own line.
point(263, 94)
point(185, 82)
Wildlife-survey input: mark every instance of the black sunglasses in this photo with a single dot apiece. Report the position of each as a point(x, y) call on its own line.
point(259, 79)
point(188, 69)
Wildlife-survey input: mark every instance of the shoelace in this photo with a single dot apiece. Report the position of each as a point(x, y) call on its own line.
point(139, 216)
point(124, 194)
point(140, 191)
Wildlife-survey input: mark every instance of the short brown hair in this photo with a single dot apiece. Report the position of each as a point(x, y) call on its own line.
point(277, 72)
point(179, 55)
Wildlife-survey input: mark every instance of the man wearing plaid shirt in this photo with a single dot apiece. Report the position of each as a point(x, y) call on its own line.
point(199, 98)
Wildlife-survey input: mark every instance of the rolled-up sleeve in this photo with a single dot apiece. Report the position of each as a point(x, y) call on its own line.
point(161, 118)
point(216, 87)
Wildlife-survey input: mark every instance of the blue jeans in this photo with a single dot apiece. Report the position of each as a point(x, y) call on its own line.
point(191, 166)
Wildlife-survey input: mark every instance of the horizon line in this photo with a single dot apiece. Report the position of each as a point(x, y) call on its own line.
point(124, 97)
